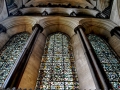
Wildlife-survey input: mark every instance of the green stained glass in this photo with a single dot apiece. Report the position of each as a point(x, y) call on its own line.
point(57, 70)
point(108, 59)
point(10, 53)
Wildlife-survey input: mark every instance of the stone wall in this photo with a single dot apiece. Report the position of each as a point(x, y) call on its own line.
point(18, 3)
point(114, 41)
point(86, 80)
point(30, 75)
point(115, 13)
point(102, 28)
point(3, 10)
point(83, 69)
point(102, 4)
point(25, 1)
point(4, 37)
point(59, 24)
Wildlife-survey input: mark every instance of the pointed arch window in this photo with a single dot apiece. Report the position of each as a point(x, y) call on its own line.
point(108, 59)
point(10, 53)
point(57, 70)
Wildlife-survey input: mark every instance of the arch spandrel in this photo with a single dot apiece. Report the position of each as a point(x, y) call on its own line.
point(14, 21)
point(98, 22)
point(65, 25)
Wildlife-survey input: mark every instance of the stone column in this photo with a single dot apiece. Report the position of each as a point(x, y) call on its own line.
point(2, 29)
point(36, 30)
point(116, 32)
point(73, 13)
point(22, 61)
point(32, 68)
point(29, 48)
point(95, 71)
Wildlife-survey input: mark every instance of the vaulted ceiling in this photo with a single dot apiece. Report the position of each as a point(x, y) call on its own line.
point(82, 3)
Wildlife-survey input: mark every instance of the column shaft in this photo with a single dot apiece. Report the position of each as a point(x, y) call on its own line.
point(20, 66)
point(115, 31)
point(91, 60)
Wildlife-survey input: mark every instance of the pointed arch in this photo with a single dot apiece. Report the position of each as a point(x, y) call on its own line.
point(103, 29)
point(9, 56)
point(107, 58)
point(57, 69)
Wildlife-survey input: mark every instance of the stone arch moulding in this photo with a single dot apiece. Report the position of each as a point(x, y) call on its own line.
point(102, 28)
point(54, 24)
point(67, 26)
point(51, 25)
point(98, 26)
point(13, 26)
point(14, 21)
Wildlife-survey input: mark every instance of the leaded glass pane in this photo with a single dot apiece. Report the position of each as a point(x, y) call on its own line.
point(57, 70)
point(108, 59)
point(10, 53)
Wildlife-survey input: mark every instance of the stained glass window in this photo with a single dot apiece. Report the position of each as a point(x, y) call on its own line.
point(57, 70)
point(10, 53)
point(108, 59)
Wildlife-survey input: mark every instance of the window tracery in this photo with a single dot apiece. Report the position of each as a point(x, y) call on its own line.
point(57, 70)
point(108, 59)
point(10, 53)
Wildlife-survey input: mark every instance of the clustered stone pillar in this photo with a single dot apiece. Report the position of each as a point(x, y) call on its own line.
point(95, 71)
point(38, 27)
point(29, 45)
point(36, 30)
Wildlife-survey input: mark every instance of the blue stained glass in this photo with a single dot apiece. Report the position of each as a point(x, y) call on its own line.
point(57, 70)
point(10, 53)
point(108, 59)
